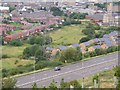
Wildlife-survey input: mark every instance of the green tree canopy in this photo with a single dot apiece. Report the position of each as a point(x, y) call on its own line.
point(8, 83)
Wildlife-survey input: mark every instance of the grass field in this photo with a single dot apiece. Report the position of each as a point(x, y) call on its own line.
point(106, 80)
point(13, 51)
point(68, 35)
point(10, 63)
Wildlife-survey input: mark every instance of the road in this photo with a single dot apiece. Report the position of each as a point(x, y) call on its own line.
point(70, 72)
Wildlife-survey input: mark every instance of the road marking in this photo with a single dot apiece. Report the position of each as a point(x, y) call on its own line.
point(66, 72)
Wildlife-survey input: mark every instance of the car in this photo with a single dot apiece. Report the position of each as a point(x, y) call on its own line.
point(57, 68)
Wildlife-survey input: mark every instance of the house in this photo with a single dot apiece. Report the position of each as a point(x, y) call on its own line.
point(8, 27)
point(16, 19)
point(4, 9)
point(91, 49)
point(25, 27)
point(96, 17)
point(104, 46)
point(83, 50)
point(49, 48)
point(62, 48)
point(87, 43)
point(74, 45)
point(25, 23)
point(108, 42)
point(54, 52)
point(97, 47)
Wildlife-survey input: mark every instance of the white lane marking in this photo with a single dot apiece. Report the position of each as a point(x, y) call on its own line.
point(66, 72)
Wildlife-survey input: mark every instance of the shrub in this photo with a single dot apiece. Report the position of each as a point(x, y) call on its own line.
point(5, 56)
point(16, 42)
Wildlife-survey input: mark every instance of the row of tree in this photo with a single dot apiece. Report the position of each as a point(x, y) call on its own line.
point(41, 40)
point(56, 11)
point(78, 15)
point(117, 74)
point(90, 33)
point(72, 54)
point(36, 51)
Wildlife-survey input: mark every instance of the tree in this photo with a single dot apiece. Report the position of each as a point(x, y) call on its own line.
point(32, 40)
point(75, 84)
point(34, 86)
point(96, 77)
point(40, 40)
point(117, 71)
point(79, 54)
point(12, 8)
point(96, 27)
point(78, 15)
point(103, 6)
point(48, 40)
point(53, 85)
point(89, 31)
point(63, 84)
point(56, 11)
point(84, 39)
point(68, 55)
point(99, 51)
point(118, 85)
point(16, 42)
point(27, 52)
point(40, 54)
point(8, 83)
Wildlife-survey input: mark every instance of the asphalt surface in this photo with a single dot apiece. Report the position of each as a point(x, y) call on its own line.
point(70, 72)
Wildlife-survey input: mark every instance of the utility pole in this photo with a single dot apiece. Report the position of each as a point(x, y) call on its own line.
point(83, 82)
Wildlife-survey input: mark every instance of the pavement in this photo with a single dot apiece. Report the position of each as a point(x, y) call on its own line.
point(70, 72)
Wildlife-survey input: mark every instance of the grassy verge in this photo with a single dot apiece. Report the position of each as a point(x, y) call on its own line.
point(10, 63)
point(106, 80)
point(15, 76)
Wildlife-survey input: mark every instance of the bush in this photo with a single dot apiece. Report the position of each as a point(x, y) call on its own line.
point(16, 42)
point(84, 39)
point(5, 56)
point(45, 64)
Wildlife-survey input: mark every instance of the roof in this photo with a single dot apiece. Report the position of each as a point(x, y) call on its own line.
point(75, 45)
point(4, 8)
point(87, 43)
point(49, 48)
point(108, 42)
point(106, 36)
point(97, 47)
point(96, 16)
point(37, 14)
point(113, 33)
point(63, 47)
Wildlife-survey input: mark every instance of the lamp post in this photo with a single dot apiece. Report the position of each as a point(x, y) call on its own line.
point(82, 67)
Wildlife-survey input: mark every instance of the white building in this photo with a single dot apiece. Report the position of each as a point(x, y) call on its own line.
point(4, 9)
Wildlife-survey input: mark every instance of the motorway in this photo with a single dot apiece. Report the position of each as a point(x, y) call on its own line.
point(70, 72)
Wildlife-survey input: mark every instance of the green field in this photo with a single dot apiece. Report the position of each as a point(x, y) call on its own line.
point(13, 51)
point(106, 80)
point(67, 35)
point(14, 54)
point(10, 63)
